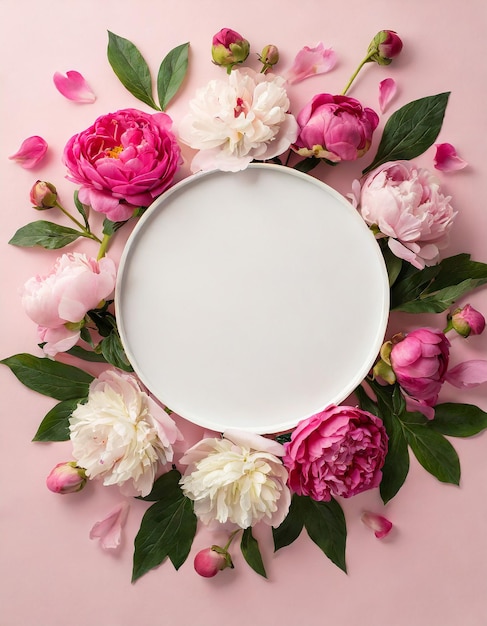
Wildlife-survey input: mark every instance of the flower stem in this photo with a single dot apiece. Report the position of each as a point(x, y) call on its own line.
point(103, 246)
point(84, 230)
point(355, 74)
point(230, 539)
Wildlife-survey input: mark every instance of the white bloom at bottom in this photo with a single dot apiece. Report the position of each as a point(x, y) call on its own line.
point(230, 480)
point(117, 437)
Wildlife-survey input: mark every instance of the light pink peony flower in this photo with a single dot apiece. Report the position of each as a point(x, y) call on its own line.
point(31, 152)
point(66, 478)
point(379, 524)
point(229, 48)
point(59, 301)
point(123, 161)
point(336, 128)
point(338, 452)
point(420, 362)
point(446, 158)
point(73, 86)
point(238, 119)
point(310, 62)
point(467, 321)
point(404, 201)
point(387, 91)
point(109, 529)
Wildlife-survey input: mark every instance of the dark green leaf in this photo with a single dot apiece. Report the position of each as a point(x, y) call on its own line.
point(82, 210)
point(393, 264)
point(110, 228)
point(458, 420)
point(55, 426)
point(396, 465)
point(171, 74)
point(411, 283)
point(251, 552)
point(290, 529)
point(411, 130)
point(86, 355)
point(53, 379)
point(306, 165)
point(131, 68)
point(441, 300)
point(159, 488)
point(283, 438)
point(326, 526)
point(365, 402)
point(105, 322)
point(434, 452)
point(45, 234)
point(456, 269)
point(112, 350)
point(167, 529)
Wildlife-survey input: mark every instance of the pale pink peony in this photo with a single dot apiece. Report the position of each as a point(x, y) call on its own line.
point(123, 161)
point(109, 529)
point(59, 301)
point(338, 452)
point(66, 478)
point(405, 203)
point(237, 119)
point(74, 86)
point(31, 152)
point(310, 62)
point(336, 128)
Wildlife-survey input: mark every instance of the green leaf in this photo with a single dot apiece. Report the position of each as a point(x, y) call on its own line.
point(171, 74)
point(131, 68)
point(306, 165)
point(458, 420)
point(104, 321)
point(434, 452)
point(396, 465)
point(167, 529)
point(55, 426)
point(86, 355)
point(326, 527)
point(290, 529)
point(393, 264)
point(113, 352)
point(365, 402)
point(411, 130)
point(82, 210)
point(456, 269)
point(45, 234)
point(441, 300)
point(251, 552)
point(53, 379)
point(411, 283)
point(110, 228)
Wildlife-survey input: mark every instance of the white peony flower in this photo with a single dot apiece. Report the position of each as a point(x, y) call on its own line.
point(238, 479)
point(117, 437)
point(238, 119)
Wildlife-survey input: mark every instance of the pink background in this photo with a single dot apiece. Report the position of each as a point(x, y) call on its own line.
point(432, 570)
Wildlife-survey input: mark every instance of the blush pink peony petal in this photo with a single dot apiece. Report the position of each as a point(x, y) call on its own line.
point(311, 61)
point(109, 529)
point(387, 91)
point(379, 524)
point(31, 152)
point(468, 374)
point(74, 87)
point(447, 159)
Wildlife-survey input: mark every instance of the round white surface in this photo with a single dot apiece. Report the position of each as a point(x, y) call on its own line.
point(251, 300)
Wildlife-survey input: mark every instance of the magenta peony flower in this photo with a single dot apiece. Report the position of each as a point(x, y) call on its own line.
point(123, 161)
point(405, 203)
point(420, 362)
point(66, 478)
point(338, 452)
point(467, 321)
point(336, 128)
point(229, 48)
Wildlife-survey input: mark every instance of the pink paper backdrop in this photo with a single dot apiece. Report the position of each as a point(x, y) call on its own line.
point(432, 570)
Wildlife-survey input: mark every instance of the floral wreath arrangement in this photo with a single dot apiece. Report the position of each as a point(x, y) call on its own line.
point(235, 480)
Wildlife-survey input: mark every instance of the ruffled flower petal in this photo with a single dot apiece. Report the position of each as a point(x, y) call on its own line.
point(379, 524)
point(387, 91)
point(74, 87)
point(31, 152)
point(109, 529)
point(468, 374)
point(446, 158)
point(311, 61)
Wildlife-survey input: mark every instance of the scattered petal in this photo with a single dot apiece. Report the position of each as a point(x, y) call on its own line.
point(379, 524)
point(354, 196)
point(446, 158)
point(468, 374)
point(109, 529)
point(387, 91)
point(74, 87)
point(311, 61)
point(31, 152)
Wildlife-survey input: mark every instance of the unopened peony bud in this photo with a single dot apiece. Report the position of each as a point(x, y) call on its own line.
point(467, 321)
point(384, 47)
point(229, 48)
point(269, 57)
point(210, 561)
point(66, 478)
point(43, 195)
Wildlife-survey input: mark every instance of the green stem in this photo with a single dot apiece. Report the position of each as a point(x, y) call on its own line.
point(355, 74)
point(103, 247)
point(84, 230)
point(230, 539)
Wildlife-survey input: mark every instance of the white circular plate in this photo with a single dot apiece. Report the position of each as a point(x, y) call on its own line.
point(251, 300)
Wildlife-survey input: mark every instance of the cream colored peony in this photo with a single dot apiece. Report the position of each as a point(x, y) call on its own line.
point(238, 119)
point(238, 479)
point(117, 437)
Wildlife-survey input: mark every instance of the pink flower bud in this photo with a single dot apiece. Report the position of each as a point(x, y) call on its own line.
point(210, 561)
point(66, 478)
point(384, 47)
point(380, 525)
point(269, 56)
point(43, 195)
point(467, 321)
point(229, 48)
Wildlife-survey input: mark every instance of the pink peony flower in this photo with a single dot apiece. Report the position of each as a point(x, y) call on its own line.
point(310, 62)
point(420, 362)
point(405, 203)
point(66, 478)
point(59, 301)
point(379, 524)
point(31, 152)
point(229, 48)
point(210, 561)
point(338, 452)
point(74, 87)
point(123, 161)
point(446, 158)
point(336, 128)
point(467, 321)
point(109, 529)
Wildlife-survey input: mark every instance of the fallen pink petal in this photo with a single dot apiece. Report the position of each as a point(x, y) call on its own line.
point(109, 529)
point(387, 91)
point(468, 374)
point(74, 87)
point(310, 62)
point(379, 524)
point(447, 159)
point(31, 152)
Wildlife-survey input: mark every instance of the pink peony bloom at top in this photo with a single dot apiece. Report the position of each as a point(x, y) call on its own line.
point(109, 529)
point(123, 161)
point(336, 128)
point(59, 301)
point(31, 152)
point(446, 158)
point(74, 87)
point(229, 48)
point(338, 452)
point(404, 201)
point(310, 62)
